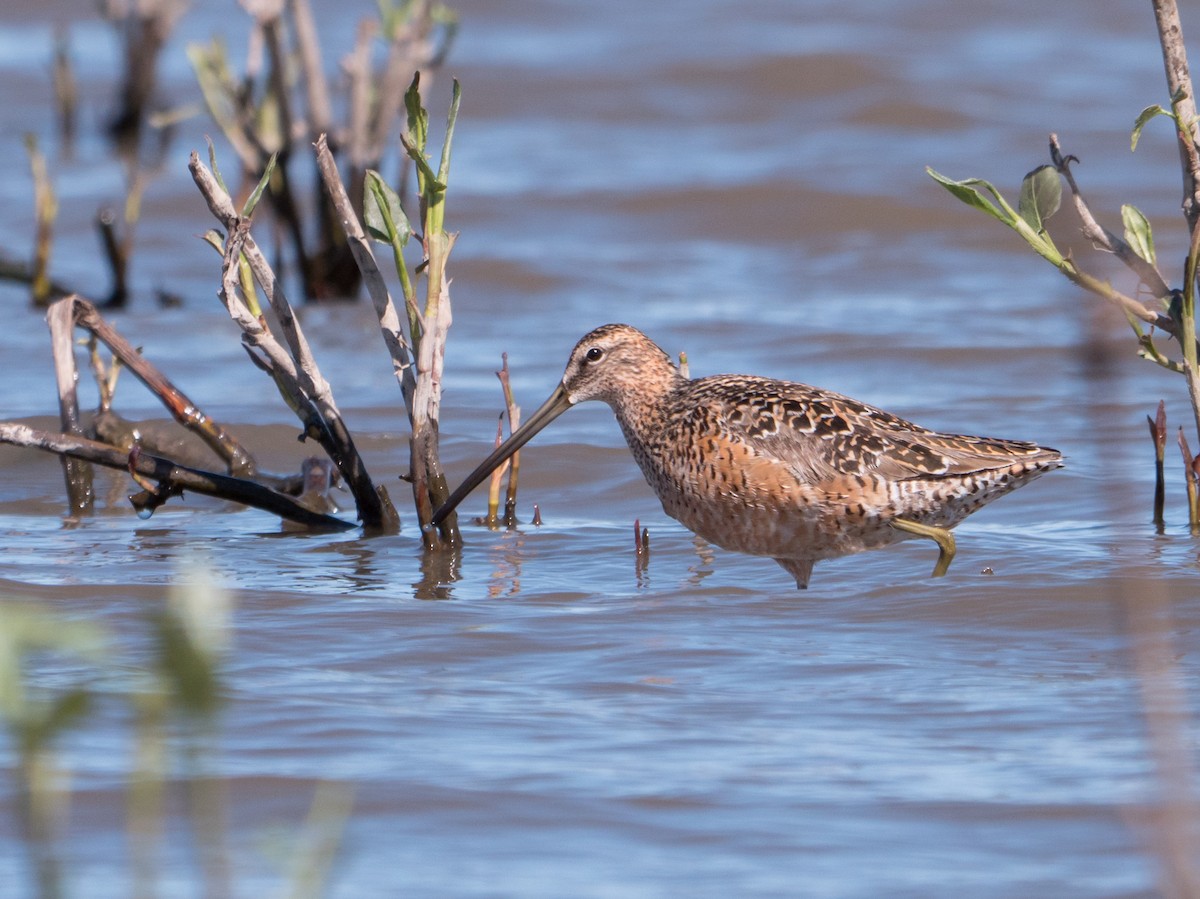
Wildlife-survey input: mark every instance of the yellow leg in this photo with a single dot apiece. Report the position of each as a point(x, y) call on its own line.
point(941, 536)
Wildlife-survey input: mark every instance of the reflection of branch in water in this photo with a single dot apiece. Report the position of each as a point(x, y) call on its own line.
point(506, 566)
point(704, 565)
point(439, 570)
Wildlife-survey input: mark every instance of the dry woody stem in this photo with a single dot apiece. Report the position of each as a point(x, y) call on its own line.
point(514, 422)
point(128, 448)
point(1158, 434)
point(239, 462)
point(293, 370)
point(162, 477)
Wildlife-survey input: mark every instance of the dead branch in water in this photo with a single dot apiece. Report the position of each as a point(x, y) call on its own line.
point(168, 478)
point(188, 413)
point(514, 422)
point(1158, 435)
point(78, 474)
point(397, 345)
point(294, 371)
point(428, 325)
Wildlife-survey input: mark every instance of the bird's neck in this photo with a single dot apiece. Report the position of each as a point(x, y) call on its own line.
point(641, 409)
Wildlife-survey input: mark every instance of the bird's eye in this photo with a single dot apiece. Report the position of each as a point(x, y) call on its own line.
point(595, 354)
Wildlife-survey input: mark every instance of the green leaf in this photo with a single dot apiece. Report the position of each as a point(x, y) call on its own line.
point(451, 118)
point(1041, 194)
point(1137, 232)
point(966, 191)
point(427, 176)
point(212, 163)
point(1143, 118)
point(252, 200)
point(215, 239)
point(418, 117)
point(385, 218)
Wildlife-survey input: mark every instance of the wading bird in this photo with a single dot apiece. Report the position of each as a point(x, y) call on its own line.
point(775, 468)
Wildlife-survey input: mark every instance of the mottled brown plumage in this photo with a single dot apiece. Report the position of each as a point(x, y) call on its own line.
point(775, 468)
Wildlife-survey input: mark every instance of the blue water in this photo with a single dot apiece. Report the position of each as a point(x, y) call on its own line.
point(746, 183)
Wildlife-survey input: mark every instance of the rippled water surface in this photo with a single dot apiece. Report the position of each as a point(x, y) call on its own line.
point(745, 182)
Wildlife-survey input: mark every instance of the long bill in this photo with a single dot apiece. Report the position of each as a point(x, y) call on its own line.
point(558, 403)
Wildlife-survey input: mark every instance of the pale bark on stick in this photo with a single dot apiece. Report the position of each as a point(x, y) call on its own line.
point(1183, 103)
point(182, 408)
point(299, 379)
point(514, 422)
point(305, 369)
point(385, 309)
point(78, 473)
point(417, 388)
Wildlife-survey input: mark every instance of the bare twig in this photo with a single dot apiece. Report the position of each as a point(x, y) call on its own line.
point(385, 310)
point(1158, 434)
point(182, 408)
point(514, 422)
point(1183, 103)
point(116, 252)
point(221, 205)
point(492, 519)
point(66, 93)
point(1189, 478)
point(298, 377)
point(80, 493)
point(1100, 236)
point(45, 211)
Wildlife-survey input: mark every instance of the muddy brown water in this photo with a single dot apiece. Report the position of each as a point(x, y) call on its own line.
point(744, 182)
